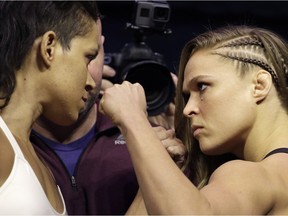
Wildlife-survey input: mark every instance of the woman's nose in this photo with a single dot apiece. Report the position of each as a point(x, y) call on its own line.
point(191, 108)
point(90, 83)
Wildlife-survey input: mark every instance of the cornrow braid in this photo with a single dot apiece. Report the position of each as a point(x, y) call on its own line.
point(285, 69)
point(280, 56)
point(257, 62)
point(243, 41)
point(249, 41)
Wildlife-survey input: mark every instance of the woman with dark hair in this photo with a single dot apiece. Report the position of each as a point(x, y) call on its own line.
point(45, 50)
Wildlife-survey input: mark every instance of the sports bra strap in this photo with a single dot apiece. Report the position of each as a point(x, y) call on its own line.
point(275, 151)
point(10, 138)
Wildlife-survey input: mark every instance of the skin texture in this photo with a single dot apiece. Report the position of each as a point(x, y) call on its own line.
point(229, 114)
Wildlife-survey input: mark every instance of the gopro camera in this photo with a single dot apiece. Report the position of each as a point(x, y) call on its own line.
point(151, 14)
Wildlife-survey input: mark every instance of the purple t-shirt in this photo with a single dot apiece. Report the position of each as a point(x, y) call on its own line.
point(70, 152)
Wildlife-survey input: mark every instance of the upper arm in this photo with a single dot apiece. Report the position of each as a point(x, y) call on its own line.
point(239, 187)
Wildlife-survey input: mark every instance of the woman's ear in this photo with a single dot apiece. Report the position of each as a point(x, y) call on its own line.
point(47, 47)
point(262, 84)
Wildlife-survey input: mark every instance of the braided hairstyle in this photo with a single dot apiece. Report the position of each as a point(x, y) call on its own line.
point(246, 47)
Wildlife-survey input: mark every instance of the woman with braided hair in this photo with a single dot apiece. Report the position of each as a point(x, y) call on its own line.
point(231, 99)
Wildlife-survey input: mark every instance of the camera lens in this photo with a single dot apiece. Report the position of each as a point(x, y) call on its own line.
point(157, 83)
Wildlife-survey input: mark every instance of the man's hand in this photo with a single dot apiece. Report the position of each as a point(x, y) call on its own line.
point(173, 145)
point(108, 72)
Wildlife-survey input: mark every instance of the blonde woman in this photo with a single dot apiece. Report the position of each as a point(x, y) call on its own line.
point(232, 99)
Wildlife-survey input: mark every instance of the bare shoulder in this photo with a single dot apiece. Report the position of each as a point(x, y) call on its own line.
point(253, 187)
point(234, 168)
point(276, 167)
point(241, 175)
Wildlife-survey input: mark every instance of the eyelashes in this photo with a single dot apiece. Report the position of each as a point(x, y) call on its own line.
point(91, 57)
point(201, 86)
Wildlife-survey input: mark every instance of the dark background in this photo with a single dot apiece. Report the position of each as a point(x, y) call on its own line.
point(189, 18)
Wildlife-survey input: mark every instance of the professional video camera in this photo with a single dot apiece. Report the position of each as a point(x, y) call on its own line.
point(138, 63)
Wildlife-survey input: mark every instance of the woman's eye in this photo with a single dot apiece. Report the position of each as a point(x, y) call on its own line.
point(91, 57)
point(202, 86)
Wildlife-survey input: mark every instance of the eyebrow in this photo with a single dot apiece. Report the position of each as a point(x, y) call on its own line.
point(195, 80)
